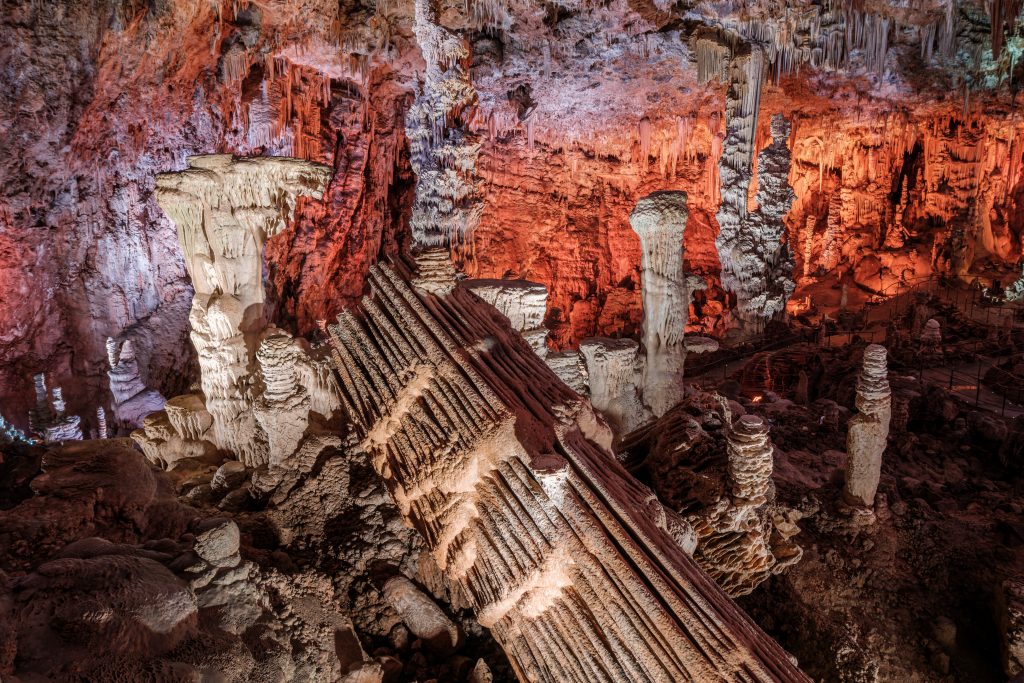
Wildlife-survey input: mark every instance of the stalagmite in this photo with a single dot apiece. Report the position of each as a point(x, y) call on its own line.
point(868, 431)
point(523, 303)
point(614, 369)
point(132, 400)
point(442, 149)
point(659, 220)
point(63, 427)
point(101, 423)
point(717, 473)
point(750, 459)
point(541, 530)
point(49, 420)
point(225, 210)
point(931, 335)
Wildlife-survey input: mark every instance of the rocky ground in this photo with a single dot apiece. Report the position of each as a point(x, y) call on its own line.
point(917, 595)
point(115, 571)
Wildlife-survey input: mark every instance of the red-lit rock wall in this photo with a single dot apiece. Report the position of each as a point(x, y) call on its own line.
point(582, 111)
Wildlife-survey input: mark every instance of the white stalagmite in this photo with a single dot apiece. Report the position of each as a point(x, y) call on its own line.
point(868, 431)
point(659, 220)
point(531, 522)
point(225, 209)
point(132, 400)
point(614, 369)
point(101, 423)
point(49, 421)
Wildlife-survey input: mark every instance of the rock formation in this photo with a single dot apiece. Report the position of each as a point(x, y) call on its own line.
point(132, 400)
point(225, 210)
point(756, 263)
point(101, 423)
point(868, 431)
point(442, 148)
point(1011, 622)
point(750, 459)
point(614, 370)
point(716, 473)
point(523, 303)
point(659, 220)
point(49, 421)
point(931, 334)
point(745, 74)
point(487, 455)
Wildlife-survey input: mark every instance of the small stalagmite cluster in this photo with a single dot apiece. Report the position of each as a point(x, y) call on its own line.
point(492, 459)
point(50, 420)
point(133, 401)
point(716, 471)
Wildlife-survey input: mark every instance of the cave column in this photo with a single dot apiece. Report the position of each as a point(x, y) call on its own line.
point(225, 209)
point(659, 220)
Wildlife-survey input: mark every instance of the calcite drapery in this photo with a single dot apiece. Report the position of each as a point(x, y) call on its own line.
point(225, 209)
point(442, 148)
point(659, 220)
point(487, 454)
point(756, 263)
point(868, 431)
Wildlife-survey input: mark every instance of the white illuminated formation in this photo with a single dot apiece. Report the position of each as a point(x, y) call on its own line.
point(868, 431)
point(577, 570)
point(265, 396)
point(442, 149)
point(132, 400)
point(659, 220)
point(225, 209)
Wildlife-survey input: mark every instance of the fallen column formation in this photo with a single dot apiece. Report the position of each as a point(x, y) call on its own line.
point(573, 565)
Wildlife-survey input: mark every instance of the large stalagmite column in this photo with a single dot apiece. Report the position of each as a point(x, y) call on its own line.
point(659, 220)
point(868, 431)
point(538, 527)
point(225, 209)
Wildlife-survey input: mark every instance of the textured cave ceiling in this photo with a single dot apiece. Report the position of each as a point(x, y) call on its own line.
point(904, 135)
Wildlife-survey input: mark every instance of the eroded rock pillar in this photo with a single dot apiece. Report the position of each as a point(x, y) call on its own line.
point(225, 209)
point(659, 220)
point(868, 431)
